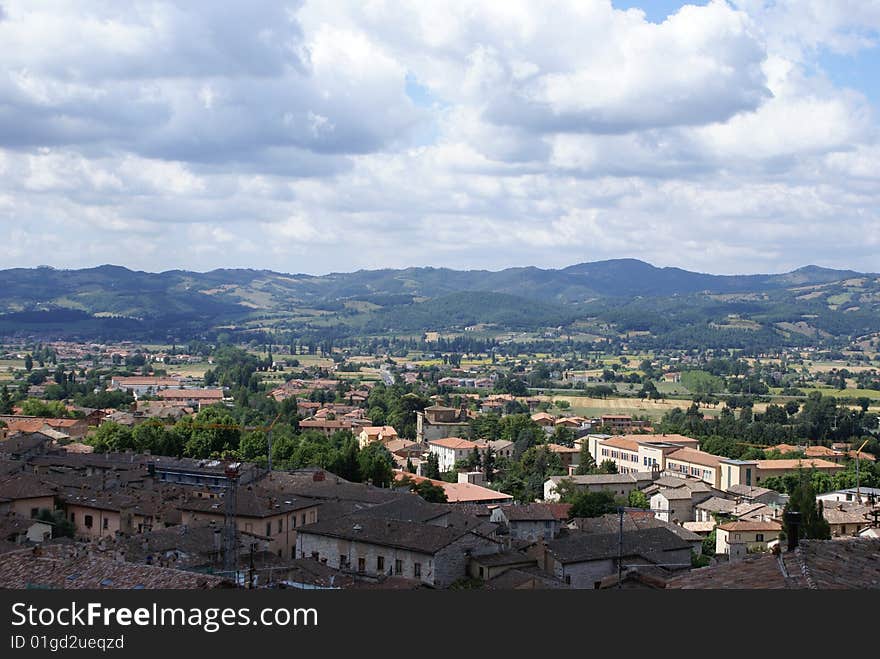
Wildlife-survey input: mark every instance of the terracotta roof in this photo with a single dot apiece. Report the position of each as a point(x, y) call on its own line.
point(191, 394)
point(696, 457)
point(744, 525)
point(622, 442)
point(456, 443)
point(788, 465)
point(816, 564)
point(72, 567)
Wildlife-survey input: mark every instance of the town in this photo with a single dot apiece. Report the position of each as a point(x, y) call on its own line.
point(301, 465)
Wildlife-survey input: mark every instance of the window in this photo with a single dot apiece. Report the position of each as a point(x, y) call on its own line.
point(343, 560)
point(316, 555)
point(73, 517)
point(398, 566)
point(482, 573)
point(759, 537)
point(88, 521)
point(293, 521)
point(293, 552)
point(362, 564)
point(34, 512)
point(268, 528)
point(106, 523)
point(380, 563)
point(280, 525)
point(417, 569)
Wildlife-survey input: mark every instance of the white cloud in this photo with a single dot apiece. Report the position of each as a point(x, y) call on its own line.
point(167, 134)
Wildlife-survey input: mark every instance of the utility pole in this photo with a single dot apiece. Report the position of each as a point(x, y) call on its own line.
point(230, 530)
point(620, 549)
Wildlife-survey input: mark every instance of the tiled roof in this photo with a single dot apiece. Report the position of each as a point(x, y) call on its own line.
point(251, 502)
point(745, 525)
point(72, 567)
point(788, 465)
point(415, 536)
point(815, 564)
point(694, 456)
point(577, 547)
point(456, 443)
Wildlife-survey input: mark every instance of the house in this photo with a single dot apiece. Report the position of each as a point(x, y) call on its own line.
point(97, 514)
point(449, 450)
point(18, 530)
point(851, 494)
point(676, 504)
point(370, 434)
point(846, 519)
point(327, 427)
point(570, 455)
point(757, 494)
point(583, 560)
point(196, 398)
point(699, 464)
point(618, 484)
point(754, 472)
point(633, 453)
point(736, 539)
point(437, 422)
point(25, 495)
point(491, 566)
point(634, 520)
point(814, 564)
point(76, 428)
point(140, 385)
point(373, 546)
point(258, 512)
point(502, 448)
point(533, 521)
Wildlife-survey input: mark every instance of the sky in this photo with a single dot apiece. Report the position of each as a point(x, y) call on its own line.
point(722, 137)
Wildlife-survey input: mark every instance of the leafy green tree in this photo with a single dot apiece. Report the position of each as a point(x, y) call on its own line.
point(253, 445)
point(638, 499)
point(5, 401)
point(112, 436)
point(608, 467)
point(592, 504)
point(430, 492)
point(376, 465)
point(587, 464)
point(489, 464)
point(432, 467)
point(813, 524)
point(28, 362)
point(61, 526)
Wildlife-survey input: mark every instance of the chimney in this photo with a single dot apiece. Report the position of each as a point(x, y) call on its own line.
point(793, 524)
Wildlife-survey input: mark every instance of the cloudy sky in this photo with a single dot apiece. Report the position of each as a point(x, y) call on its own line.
point(726, 137)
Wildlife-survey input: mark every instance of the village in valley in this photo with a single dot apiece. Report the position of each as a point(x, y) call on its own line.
point(434, 462)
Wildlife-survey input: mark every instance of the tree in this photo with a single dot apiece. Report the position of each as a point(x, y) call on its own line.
point(5, 401)
point(608, 467)
point(376, 465)
point(587, 464)
point(489, 464)
point(813, 524)
point(28, 362)
point(432, 467)
point(430, 492)
point(112, 436)
point(638, 499)
point(61, 526)
point(592, 504)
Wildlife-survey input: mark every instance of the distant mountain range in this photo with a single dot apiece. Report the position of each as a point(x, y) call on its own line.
point(617, 296)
